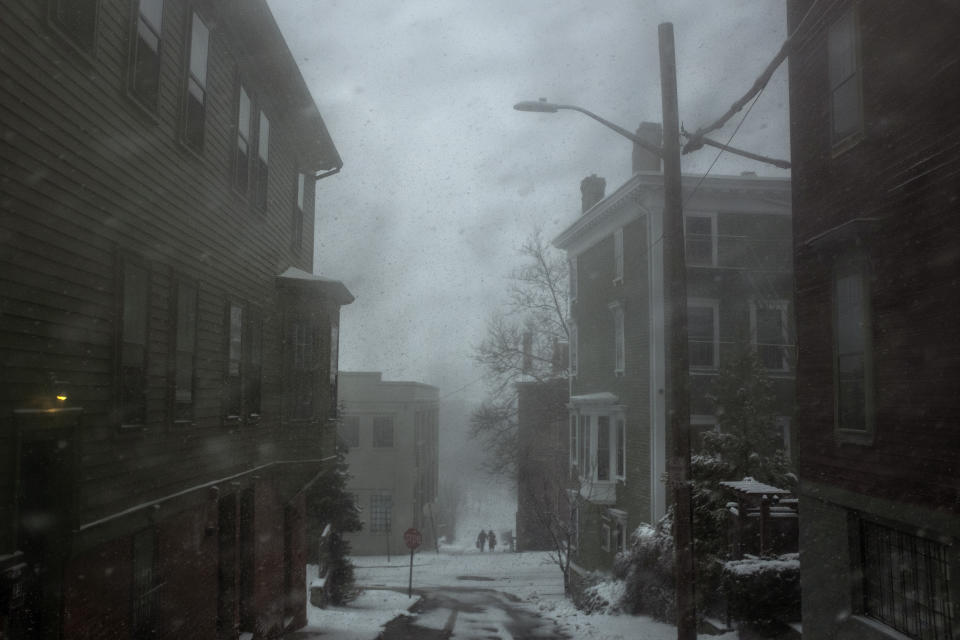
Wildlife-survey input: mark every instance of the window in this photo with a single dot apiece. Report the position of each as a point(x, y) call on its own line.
point(185, 345)
point(573, 278)
point(383, 431)
point(769, 328)
point(620, 536)
point(334, 351)
point(906, 582)
point(618, 255)
point(76, 19)
point(145, 64)
point(350, 431)
point(852, 356)
point(702, 333)
point(381, 513)
point(241, 167)
point(573, 349)
point(619, 342)
point(133, 344)
point(605, 537)
point(621, 459)
point(701, 240)
point(583, 438)
point(843, 60)
point(232, 381)
point(146, 586)
point(196, 93)
point(300, 212)
point(262, 166)
point(603, 448)
point(598, 444)
point(252, 363)
point(574, 441)
point(304, 338)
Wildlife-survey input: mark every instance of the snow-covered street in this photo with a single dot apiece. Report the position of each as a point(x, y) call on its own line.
point(462, 593)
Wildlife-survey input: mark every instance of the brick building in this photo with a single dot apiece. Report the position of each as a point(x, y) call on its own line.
point(874, 94)
point(392, 430)
point(739, 289)
point(543, 469)
point(169, 361)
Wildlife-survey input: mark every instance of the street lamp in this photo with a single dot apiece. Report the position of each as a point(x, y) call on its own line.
point(676, 347)
point(542, 106)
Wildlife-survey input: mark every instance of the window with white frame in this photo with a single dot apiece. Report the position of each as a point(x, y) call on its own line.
point(620, 433)
point(768, 327)
point(605, 537)
point(852, 354)
point(383, 432)
point(196, 91)
point(618, 255)
point(262, 166)
point(843, 62)
point(598, 445)
point(700, 233)
point(703, 333)
point(619, 341)
point(145, 52)
point(381, 513)
point(241, 161)
point(574, 343)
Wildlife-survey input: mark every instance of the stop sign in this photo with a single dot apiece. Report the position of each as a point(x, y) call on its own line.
point(412, 538)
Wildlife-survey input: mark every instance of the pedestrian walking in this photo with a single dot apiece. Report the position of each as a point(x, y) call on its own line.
point(481, 540)
point(492, 540)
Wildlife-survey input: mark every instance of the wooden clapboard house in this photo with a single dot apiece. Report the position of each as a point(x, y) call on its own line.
point(168, 357)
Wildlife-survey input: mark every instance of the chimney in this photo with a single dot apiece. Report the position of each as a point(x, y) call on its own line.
point(592, 189)
point(643, 160)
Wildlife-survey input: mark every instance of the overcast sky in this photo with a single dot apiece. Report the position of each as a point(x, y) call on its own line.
point(442, 179)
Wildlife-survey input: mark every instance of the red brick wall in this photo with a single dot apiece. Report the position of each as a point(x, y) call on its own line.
point(901, 172)
point(96, 592)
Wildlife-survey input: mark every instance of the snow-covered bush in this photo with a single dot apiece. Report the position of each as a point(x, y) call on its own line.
point(646, 569)
point(763, 591)
point(602, 594)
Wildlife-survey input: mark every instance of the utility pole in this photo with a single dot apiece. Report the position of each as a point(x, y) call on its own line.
point(677, 358)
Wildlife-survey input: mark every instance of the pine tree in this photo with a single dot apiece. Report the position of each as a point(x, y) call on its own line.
point(329, 504)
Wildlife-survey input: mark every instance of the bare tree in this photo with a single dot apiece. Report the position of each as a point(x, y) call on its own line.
point(525, 341)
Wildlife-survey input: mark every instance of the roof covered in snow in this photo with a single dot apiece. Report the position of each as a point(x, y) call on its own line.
point(334, 289)
point(749, 486)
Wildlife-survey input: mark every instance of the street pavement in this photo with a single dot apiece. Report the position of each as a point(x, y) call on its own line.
point(470, 612)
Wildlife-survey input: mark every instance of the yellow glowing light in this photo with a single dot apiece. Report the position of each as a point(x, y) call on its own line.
point(61, 397)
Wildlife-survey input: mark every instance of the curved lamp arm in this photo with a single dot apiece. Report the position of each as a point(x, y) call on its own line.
point(542, 106)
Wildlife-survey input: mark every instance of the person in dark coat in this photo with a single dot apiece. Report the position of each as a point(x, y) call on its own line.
point(492, 540)
point(481, 540)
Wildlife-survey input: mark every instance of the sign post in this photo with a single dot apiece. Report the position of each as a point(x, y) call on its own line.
point(412, 538)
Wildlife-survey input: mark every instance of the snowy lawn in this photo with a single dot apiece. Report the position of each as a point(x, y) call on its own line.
point(531, 576)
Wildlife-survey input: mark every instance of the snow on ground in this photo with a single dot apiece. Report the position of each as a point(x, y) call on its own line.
point(531, 576)
point(361, 619)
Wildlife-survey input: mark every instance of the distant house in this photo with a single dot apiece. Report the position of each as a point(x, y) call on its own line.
point(169, 359)
point(739, 289)
point(874, 97)
point(392, 431)
point(543, 470)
